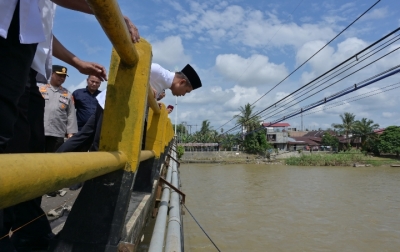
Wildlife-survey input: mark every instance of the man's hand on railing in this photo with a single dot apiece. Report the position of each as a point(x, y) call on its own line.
point(135, 36)
point(91, 68)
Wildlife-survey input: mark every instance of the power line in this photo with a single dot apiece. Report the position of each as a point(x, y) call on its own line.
point(322, 75)
point(302, 93)
point(318, 51)
point(354, 98)
point(356, 87)
point(341, 80)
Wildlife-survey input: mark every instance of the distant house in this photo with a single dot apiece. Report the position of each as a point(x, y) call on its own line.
point(277, 134)
point(200, 146)
point(311, 140)
point(304, 143)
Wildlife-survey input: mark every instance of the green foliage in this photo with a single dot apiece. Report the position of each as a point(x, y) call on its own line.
point(340, 159)
point(246, 118)
point(180, 151)
point(180, 129)
point(329, 140)
point(256, 143)
point(364, 129)
point(389, 141)
point(228, 141)
point(347, 125)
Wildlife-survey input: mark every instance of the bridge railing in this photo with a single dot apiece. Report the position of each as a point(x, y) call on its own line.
point(27, 176)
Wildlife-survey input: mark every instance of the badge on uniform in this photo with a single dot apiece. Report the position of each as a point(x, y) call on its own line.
point(63, 100)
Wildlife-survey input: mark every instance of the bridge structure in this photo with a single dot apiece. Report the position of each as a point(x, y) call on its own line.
point(105, 215)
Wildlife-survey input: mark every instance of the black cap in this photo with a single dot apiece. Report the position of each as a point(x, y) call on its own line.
point(60, 69)
point(191, 74)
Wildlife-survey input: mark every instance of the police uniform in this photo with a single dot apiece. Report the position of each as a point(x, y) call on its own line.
point(59, 113)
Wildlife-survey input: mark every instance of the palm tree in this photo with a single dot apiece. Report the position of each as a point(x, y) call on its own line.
point(365, 130)
point(347, 125)
point(247, 119)
point(206, 133)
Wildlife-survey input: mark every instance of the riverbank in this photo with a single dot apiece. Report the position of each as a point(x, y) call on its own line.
point(353, 158)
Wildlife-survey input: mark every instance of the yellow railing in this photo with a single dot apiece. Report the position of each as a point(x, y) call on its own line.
point(27, 176)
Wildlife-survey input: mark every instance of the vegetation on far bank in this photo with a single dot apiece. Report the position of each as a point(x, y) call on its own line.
point(346, 158)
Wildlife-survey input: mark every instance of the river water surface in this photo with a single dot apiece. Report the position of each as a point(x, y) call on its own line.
point(287, 208)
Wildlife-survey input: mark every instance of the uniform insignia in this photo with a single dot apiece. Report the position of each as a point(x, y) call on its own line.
point(63, 70)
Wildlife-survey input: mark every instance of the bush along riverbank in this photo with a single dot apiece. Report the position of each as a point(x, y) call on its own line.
point(347, 158)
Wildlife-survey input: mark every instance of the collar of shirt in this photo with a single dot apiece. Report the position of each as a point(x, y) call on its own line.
point(55, 89)
point(94, 94)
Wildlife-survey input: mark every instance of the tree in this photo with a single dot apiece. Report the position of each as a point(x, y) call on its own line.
point(347, 125)
point(256, 142)
point(389, 141)
point(228, 141)
point(246, 118)
point(365, 130)
point(180, 151)
point(180, 129)
point(330, 140)
point(205, 127)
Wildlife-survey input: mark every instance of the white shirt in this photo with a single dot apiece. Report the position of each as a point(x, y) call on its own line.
point(42, 62)
point(160, 79)
point(30, 20)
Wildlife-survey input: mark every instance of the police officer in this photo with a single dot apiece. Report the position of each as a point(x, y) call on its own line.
point(59, 114)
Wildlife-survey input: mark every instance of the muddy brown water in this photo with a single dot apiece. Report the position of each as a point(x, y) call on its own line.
point(288, 208)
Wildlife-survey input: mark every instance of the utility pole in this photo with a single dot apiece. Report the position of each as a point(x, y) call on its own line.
point(190, 128)
point(302, 120)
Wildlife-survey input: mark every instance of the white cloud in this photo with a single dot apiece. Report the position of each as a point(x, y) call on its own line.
point(387, 114)
point(253, 71)
point(170, 53)
point(378, 13)
point(236, 24)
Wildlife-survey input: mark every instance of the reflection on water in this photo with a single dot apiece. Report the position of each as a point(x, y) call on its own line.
point(284, 208)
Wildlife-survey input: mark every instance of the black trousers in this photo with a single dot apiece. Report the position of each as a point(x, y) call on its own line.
point(28, 138)
point(88, 137)
point(15, 62)
point(53, 143)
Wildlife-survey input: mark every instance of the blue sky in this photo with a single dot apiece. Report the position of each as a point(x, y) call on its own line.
point(242, 48)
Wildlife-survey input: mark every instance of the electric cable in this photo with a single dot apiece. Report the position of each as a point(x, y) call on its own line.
point(341, 80)
point(337, 66)
point(302, 93)
point(348, 26)
point(385, 74)
point(202, 228)
point(354, 56)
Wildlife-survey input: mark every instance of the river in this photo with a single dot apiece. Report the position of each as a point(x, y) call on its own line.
point(287, 208)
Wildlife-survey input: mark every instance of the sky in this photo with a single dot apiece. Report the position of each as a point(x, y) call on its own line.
point(242, 49)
